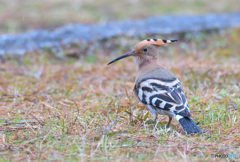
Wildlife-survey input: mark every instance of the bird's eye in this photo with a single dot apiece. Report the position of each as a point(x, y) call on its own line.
point(145, 50)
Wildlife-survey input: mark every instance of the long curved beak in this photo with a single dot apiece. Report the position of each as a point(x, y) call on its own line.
point(131, 53)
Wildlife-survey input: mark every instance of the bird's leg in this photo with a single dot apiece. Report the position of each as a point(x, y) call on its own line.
point(169, 122)
point(155, 117)
point(154, 113)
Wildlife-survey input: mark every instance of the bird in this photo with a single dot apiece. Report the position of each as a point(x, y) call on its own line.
point(157, 88)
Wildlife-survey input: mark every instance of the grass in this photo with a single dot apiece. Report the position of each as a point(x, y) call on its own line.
point(84, 110)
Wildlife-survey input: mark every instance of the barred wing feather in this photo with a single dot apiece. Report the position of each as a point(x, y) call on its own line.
point(167, 95)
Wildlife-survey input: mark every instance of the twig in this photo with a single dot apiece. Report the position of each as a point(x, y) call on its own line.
point(110, 125)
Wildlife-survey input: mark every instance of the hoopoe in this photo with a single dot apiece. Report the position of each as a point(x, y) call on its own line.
point(156, 87)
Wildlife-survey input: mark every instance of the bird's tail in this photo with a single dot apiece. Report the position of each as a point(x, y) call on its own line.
point(188, 124)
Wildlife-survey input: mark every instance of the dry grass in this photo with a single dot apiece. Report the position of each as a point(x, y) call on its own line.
point(84, 110)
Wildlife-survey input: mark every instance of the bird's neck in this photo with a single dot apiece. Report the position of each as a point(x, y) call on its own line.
point(146, 63)
point(146, 66)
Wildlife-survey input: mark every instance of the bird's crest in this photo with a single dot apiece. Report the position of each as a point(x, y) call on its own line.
point(157, 42)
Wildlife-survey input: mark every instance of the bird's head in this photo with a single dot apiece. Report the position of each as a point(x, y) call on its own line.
point(146, 49)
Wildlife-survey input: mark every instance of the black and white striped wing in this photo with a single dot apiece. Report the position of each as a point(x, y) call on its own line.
point(166, 95)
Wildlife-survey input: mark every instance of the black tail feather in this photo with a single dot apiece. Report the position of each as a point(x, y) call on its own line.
point(189, 125)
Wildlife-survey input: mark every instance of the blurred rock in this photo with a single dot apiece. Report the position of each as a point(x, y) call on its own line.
point(81, 35)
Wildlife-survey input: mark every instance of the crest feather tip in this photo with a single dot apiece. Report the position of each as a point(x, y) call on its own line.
point(172, 41)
